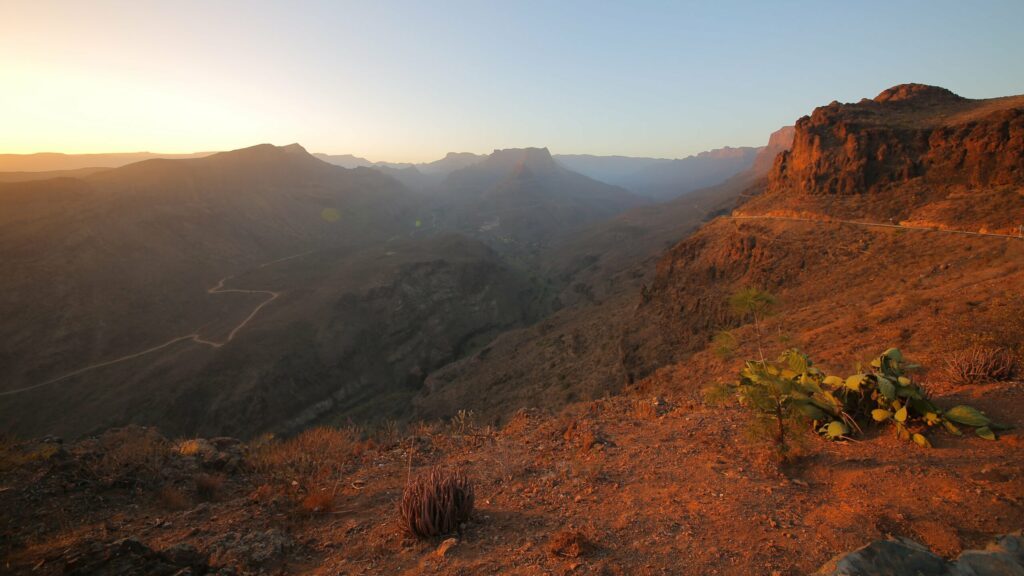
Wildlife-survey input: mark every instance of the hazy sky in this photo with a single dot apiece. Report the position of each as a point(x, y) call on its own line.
point(408, 81)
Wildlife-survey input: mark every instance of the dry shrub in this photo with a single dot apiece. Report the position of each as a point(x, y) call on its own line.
point(15, 455)
point(980, 363)
point(569, 544)
point(650, 408)
point(387, 433)
point(189, 447)
point(436, 502)
point(171, 498)
point(318, 453)
point(518, 423)
point(645, 410)
point(318, 502)
point(263, 494)
point(209, 486)
point(129, 456)
point(424, 429)
point(463, 423)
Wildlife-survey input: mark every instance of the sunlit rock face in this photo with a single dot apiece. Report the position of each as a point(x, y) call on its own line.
point(907, 132)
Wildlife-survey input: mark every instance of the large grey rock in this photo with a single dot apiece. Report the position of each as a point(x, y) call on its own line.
point(1005, 556)
point(905, 557)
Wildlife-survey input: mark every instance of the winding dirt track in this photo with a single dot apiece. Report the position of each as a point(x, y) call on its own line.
point(271, 295)
point(874, 225)
point(195, 337)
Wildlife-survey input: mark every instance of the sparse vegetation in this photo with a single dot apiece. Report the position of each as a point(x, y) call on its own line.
point(645, 409)
point(724, 344)
point(14, 454)
point(188, 447)
point(317, 453)
point(171, 498)
point(981, 364)
point(319, 501)
point(388, 433)
point(793, 390)
point(754, 303)
point(129, 456)
point(435, 503)
point(308, 468)
point(209, 486)
point(463, 423)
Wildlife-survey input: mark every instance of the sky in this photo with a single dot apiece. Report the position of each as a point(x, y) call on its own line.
point(410, 81)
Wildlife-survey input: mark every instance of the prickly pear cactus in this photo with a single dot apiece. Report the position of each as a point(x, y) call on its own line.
point(887, 395)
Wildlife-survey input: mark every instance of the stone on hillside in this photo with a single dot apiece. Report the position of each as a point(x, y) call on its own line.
point(902, 556)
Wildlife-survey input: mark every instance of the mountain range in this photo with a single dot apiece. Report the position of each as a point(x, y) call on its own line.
point(554, 337)
point(654, 178)
point(336, 292)
point(315, 285)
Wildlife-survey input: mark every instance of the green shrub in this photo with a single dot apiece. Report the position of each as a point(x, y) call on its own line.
point(755, 303)
point(794, 389)
point(724, 344)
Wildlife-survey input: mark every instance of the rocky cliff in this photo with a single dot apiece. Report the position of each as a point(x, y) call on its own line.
point(910, 147)
point(906, 132)
point(915, 155)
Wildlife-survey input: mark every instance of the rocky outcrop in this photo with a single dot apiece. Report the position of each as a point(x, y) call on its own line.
point(903, 92)
point(130, 556)
point(904, 556)
point(907, 132)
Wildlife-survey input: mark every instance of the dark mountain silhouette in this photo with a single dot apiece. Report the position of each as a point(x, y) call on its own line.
point(425, 176)
point(596, 275)
point(519, 200)
point(52, 161)
point(48, 175)
point(122, 261)
point(344, 160)
point(451, 162)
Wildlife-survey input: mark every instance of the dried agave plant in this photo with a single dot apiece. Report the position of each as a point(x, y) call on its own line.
point(436, 502)
point(978, 364)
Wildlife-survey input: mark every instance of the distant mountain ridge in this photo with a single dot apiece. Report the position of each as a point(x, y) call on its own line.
point(460, 246)
point(615, 169)
point(675, 178)
point(54, 161)
point(596, 273)
point(657, 178)
point(521, 199)
point(344, 160)
point(374, 286)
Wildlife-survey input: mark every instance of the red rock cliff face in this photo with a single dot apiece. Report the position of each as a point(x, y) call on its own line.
point(906, 133)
